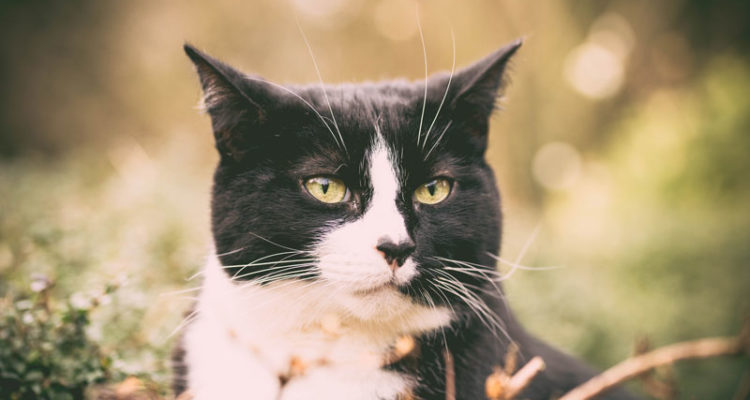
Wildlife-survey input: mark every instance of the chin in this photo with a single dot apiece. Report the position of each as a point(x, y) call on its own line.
point(378, 304)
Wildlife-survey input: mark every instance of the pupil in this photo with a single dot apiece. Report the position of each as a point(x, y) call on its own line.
point(431, 187)
point(324, 186)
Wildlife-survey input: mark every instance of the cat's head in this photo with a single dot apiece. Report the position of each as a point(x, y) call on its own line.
point(379, 190)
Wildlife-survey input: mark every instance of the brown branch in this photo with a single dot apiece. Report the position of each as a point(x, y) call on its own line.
point(501, 385)
point(511, 359)
point(637, 365)
point(523, 377)
point(450, 376)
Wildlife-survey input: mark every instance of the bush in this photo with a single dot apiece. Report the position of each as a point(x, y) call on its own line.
point(44, 350)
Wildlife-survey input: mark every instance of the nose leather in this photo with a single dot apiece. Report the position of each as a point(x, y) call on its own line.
point(395, 254)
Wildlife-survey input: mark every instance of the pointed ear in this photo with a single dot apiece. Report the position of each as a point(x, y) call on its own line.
point(477, 88)
point(233, 100)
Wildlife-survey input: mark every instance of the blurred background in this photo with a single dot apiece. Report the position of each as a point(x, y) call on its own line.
point(622, 154)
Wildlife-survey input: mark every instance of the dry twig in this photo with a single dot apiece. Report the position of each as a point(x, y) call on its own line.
point(639, 364)
point(450, 376)
point(501, 385)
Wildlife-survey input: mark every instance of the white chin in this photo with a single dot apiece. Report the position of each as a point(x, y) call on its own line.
point(378, 304)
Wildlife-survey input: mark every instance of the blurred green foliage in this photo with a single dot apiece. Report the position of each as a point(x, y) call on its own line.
point(625, 138)
point(45, 352)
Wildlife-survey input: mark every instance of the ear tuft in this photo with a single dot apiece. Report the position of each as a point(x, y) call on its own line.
point(481, 81)
point(220, 82)
point(476, 93)
point(227, 99)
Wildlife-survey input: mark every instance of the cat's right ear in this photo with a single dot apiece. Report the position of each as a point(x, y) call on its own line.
point(235, 102)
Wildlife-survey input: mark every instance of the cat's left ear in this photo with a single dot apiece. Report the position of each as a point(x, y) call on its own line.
point(477, 90)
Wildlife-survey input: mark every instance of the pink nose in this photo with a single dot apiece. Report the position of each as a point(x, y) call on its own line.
point(395, 254)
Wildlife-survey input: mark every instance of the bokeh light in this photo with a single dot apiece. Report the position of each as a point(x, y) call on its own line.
point(596, 68)
point(595, 71)
point(395, 19)
point(557, 166)
point(328, 14)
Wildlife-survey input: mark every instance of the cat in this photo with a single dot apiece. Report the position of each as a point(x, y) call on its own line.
point(355, 231)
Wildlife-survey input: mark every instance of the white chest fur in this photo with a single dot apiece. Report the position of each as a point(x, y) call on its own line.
point(297, 340)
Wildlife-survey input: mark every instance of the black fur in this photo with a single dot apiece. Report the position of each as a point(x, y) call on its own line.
point(270, 140)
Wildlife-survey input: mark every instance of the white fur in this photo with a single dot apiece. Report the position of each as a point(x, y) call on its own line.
point(340, 327)
point(245, 336)
point(348, 254)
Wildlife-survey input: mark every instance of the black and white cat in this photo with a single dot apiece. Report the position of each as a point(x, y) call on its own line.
point(355, 228)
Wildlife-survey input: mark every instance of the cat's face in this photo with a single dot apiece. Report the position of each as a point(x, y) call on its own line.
point(375, 190)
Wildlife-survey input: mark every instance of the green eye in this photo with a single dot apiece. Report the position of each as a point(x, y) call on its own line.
point(433, 192)
point(327, 190)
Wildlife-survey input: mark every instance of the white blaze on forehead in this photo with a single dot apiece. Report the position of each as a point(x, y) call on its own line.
point(348, 253)
point(382, 211)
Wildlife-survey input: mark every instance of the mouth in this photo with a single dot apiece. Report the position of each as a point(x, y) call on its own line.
point(375, 289)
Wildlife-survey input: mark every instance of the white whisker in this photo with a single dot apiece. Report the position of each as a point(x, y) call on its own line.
point(230, 252)
point(424, 54)
point(448, 125)
point(175, 292)
point(480, 313)
point(276, 244)
point(445, 94)
point(277, 262)
point(286, 265)
point(307, 103)
point(193, 276)
point(432, 303)
point(185, 321)
point(255, 262)
point(320, 79)
point(482, 269)
point(478, 305)
point(290, 270)
point(480, 288)
point(516, 265)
